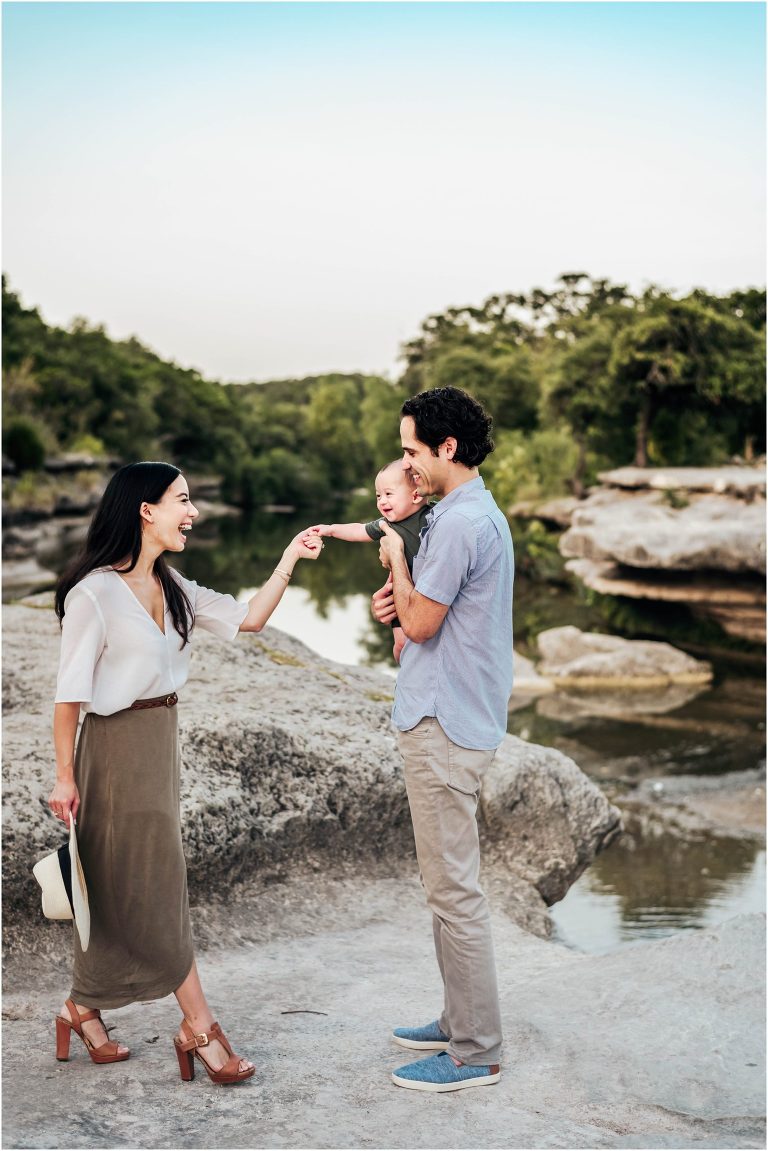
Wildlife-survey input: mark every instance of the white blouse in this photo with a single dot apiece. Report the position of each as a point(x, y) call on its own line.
point(113, 652)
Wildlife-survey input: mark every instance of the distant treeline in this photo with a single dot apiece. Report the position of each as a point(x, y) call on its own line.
point(577, 379)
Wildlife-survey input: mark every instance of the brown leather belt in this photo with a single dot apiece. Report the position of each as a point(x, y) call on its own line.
point(159, 701)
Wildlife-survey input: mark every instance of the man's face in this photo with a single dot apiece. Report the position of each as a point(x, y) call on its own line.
point(429, 472)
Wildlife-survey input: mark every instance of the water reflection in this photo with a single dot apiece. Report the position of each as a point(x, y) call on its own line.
point(722, 729)
point(651, 888)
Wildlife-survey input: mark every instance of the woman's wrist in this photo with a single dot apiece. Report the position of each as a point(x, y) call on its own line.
point(65, 774)
point(288, 561)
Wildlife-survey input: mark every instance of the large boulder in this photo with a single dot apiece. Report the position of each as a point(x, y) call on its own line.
point(570, 657)
point(644, 530)
point(289, 757)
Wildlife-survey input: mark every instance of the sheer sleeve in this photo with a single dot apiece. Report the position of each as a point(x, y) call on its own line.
point(215, 611)
point(83, 638)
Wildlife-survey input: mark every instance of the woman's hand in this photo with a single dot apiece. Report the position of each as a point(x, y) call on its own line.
point(307, 545)
point(64, 798)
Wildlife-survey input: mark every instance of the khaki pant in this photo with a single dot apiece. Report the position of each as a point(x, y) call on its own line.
point(443, 784)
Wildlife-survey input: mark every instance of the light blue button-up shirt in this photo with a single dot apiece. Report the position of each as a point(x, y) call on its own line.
point(463, 674)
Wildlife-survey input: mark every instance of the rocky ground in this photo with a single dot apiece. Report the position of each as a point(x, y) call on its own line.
point(314, 942)
point(650, 1047)
point(653, 1046)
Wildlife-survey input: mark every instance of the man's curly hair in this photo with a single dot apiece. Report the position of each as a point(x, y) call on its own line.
point(443, 412)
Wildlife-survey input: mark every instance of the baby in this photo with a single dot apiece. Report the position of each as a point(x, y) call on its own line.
point(401, 506)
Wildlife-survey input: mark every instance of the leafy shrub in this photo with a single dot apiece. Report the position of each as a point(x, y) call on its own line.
point(23, 444)
point(530, 466)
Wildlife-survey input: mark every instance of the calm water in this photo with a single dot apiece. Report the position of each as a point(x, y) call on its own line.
point(640, 888)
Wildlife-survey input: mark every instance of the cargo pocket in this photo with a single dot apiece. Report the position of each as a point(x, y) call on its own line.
point(466, 768)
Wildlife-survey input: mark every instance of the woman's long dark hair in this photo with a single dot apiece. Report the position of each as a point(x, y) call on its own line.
point(115, 534)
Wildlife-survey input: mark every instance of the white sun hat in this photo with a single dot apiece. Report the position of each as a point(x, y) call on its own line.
point(65, 895)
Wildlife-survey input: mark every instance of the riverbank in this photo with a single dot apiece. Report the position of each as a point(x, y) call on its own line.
point(655, 1046)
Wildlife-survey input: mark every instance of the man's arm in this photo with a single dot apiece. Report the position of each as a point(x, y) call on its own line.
point(420, 617)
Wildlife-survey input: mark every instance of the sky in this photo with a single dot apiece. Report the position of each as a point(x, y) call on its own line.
point(268, 190)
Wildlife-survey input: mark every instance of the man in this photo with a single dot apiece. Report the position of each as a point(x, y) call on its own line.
point(450, 710)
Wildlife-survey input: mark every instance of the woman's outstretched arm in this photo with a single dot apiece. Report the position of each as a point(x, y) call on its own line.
point(266, 599)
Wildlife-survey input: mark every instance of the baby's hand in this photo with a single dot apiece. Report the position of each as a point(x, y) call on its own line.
point(319, 530)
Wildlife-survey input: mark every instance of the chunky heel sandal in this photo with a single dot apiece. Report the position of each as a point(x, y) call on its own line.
point(186, 1051)
point(106, 1053)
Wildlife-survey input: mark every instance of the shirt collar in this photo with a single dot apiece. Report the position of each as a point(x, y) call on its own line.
point(471, 487)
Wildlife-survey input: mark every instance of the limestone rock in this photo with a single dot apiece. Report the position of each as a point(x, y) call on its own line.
point(550, 820)
point(641, 530)
point(691, 588)
point(287, 756)
point(589, 659)
point(733, 479)
point(528, 683)
point(557, 511)
point(657, 1045)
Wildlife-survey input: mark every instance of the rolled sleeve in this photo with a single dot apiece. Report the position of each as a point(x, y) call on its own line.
point(448, 560)
point(83, 637)
point(373, 529)
point(216, 612)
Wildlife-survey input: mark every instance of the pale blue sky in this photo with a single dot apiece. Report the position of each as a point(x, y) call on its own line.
point(264, 190)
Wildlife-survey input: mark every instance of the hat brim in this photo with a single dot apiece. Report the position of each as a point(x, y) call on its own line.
point(65, 895)
point(47, 872)
point(79, 890)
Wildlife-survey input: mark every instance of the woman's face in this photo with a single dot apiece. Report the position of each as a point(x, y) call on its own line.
point(169, 520)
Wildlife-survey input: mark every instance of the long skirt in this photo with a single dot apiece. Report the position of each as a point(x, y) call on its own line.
point(129, 840)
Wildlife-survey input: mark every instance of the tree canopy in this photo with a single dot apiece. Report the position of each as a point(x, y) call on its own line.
point(583, 376)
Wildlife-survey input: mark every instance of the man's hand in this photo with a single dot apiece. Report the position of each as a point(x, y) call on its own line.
point(383, 604)
point(390, 546)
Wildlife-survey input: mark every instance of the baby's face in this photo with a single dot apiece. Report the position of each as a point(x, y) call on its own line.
point(396, 497)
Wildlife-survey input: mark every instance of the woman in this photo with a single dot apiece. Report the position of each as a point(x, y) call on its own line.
point(127, 620)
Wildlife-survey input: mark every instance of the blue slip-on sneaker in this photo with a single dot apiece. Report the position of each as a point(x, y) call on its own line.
point(440, 1073)
point(427, 1038)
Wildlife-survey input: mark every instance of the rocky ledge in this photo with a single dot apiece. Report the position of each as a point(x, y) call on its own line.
point(588, 673)
point(688, 535)
point(289, 760)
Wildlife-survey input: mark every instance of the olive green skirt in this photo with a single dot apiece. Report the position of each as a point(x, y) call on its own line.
point(129, 840)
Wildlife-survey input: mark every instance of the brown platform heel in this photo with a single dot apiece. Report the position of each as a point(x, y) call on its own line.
point(107, 1053)
point(186, 1051)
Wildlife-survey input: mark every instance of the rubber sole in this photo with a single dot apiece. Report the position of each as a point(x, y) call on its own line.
point(421, 1045)
point(420, 1085)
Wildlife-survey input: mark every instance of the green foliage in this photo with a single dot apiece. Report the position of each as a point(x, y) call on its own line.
point(530, 467)
point(31, 491)
point(685, 357)
point(664, 380)
point(333, 428)
point(675, 499)
point(88, 445)
point(23, 444)
point(537, 554)
point(577, 378)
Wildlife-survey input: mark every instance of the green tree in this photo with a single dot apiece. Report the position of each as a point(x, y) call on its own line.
point(679, 356)
point(333, 429)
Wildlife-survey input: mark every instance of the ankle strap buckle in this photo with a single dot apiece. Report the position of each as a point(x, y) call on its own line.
point(201, 1040)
